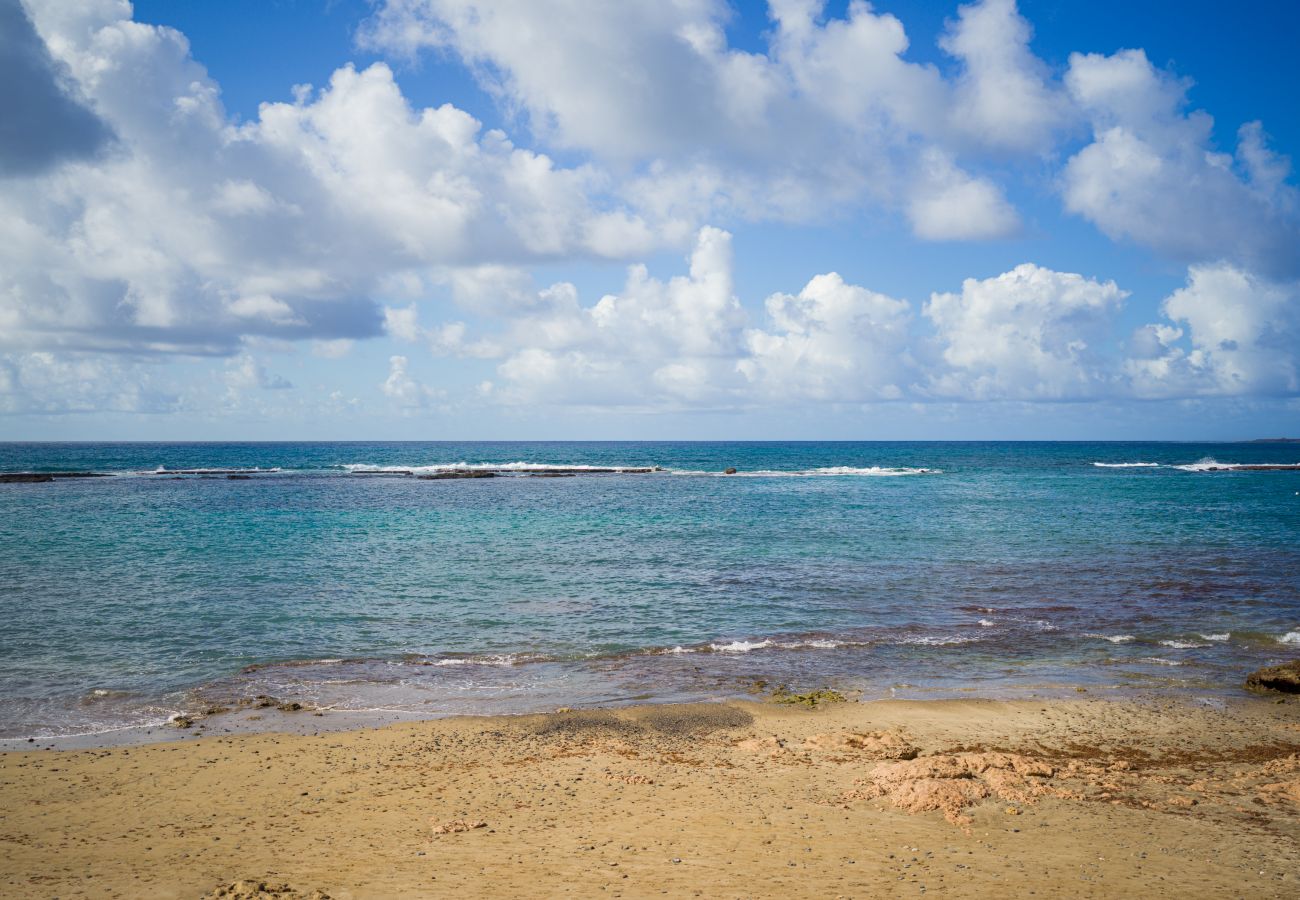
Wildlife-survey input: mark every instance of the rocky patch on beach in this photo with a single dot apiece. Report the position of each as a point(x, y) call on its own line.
point(255, 889)
point(1283, 679)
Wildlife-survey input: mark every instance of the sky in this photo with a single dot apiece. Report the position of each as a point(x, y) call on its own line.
point(688, 219)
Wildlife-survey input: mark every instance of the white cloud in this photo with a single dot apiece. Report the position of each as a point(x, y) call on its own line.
point(1004, 95)
point(1151, 174)
point(244, 373)
point(44, 383)
point(1241, 338)
point(948, 204)
point(405, 389)
point(834, 341)
point(831, 117)
point(1030, 333)
point(194, 233)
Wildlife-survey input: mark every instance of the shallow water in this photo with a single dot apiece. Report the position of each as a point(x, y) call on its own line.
point(895, 569)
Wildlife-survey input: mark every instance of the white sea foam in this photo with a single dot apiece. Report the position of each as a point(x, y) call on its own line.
point(1132, 465)
point(503, 659)
point(1203, 465)
point(986, 623)
point(1160, 661)
point(1291, 637)
point(1113, 638)
point(518, 466)
point(1221, 636)
point(1183, 645)
point(927, 640)
point(741, 646)
point(816, 644)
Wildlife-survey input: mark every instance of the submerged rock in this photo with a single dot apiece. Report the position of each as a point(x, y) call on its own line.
point(23, 478)
point(1284, 678)
point(458, 473)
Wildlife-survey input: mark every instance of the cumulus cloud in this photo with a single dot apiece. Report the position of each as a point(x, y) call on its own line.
point(1031, 333)
point(674, 339)
point(1004, 95)
point(1233, 334)
point(1152, 175)
point(833, 341)
point(948, 204)
point(42, 121)
point(403, 388)
point(831, 117)
point(195, 233)
point(244, 373)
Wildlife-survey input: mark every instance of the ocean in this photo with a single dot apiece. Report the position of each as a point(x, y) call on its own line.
point(332, 575)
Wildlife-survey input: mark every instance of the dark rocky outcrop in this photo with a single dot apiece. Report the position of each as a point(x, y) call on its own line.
point(458, 473)
point(239, 477)
point(41, 477)
point(729, 470)
point(1284, 678)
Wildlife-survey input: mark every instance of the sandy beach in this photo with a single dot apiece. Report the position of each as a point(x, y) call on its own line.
point(893, 798)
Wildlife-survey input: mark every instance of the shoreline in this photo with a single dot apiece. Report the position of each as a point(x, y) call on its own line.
point(1066, 797)
point(269, 715)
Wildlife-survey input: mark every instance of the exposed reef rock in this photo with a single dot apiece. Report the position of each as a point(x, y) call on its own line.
point(1284, 678)
point(41, 477)
point(458, 473)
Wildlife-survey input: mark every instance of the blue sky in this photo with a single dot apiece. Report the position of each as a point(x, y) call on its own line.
point(444, 219)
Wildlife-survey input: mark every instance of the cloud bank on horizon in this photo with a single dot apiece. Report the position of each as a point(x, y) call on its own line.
point(159, 254)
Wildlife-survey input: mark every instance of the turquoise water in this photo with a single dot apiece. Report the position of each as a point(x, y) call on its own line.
point(895, 569)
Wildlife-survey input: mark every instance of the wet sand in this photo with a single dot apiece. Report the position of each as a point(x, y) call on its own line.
point(958, 798)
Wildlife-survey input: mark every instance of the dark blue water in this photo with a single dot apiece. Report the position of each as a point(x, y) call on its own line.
point(889, 568)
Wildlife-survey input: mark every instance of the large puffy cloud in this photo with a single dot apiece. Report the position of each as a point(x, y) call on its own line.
point(1151, 173)
point(1232, 333)
point(833, 341)
point(41, 123)
point(1004, 95)
point(832, 116)
point(191, 233)
point(1030, 333)
point(653, 343)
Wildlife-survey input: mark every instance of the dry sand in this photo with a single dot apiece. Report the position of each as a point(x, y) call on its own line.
point(954, 798)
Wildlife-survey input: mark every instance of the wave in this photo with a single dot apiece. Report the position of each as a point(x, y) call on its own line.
point(1291, 637)
point(1127, 465)
point(1209, 464)
point(1113, 638)
point(1183, 645)
point(1219, 637)
point(510, 468)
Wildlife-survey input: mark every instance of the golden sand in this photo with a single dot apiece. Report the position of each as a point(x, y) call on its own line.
point(900, 798)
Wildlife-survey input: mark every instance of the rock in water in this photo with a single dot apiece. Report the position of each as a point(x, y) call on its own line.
point(24, 478)
point(458, 473)
point(730, 470)
point(1284, 678)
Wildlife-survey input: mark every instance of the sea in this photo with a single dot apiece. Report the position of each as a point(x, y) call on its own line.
point(601, 574)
